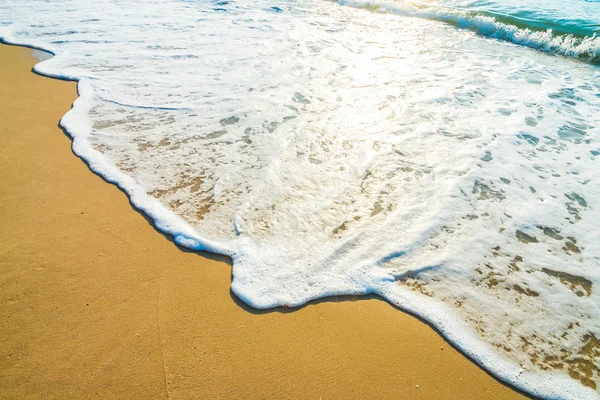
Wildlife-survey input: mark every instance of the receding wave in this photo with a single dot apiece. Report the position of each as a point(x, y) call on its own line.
point(330, 150)
point(518, 31)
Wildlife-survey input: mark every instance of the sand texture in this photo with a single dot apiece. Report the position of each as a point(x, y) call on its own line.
point(95, 303)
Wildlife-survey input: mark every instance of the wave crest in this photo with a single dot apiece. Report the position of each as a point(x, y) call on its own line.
point(586, 48)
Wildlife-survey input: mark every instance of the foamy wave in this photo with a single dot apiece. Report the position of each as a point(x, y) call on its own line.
point(453, 175)
point(583, 48)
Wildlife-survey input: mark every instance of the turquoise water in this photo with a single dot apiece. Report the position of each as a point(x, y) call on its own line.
point(578, 18)
point(443, 155)
point(569, 28)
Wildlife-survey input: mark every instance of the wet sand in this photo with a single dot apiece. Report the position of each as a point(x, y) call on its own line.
point(95, 303)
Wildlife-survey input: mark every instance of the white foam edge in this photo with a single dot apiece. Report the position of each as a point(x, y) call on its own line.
point(75, 122)
point(77, 125)
point(367, 279)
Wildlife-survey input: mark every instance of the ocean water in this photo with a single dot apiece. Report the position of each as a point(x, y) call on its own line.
point(441, 154)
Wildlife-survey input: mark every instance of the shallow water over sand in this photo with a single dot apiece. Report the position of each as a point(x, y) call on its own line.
point(332, 149)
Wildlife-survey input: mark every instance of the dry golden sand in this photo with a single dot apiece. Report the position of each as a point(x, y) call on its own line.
point(95, 303)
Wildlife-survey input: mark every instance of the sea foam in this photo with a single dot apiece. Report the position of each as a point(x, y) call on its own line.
point(331, 150)
point(574, 44)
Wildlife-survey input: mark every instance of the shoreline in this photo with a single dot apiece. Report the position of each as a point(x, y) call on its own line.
point(96, 303)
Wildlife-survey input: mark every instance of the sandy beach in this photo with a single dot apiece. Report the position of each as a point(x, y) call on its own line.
point(95, 303)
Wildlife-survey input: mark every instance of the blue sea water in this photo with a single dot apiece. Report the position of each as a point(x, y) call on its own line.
point(569, 28)
point(441, 154)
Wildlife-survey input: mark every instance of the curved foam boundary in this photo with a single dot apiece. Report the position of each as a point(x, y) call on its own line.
point(457, 332)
